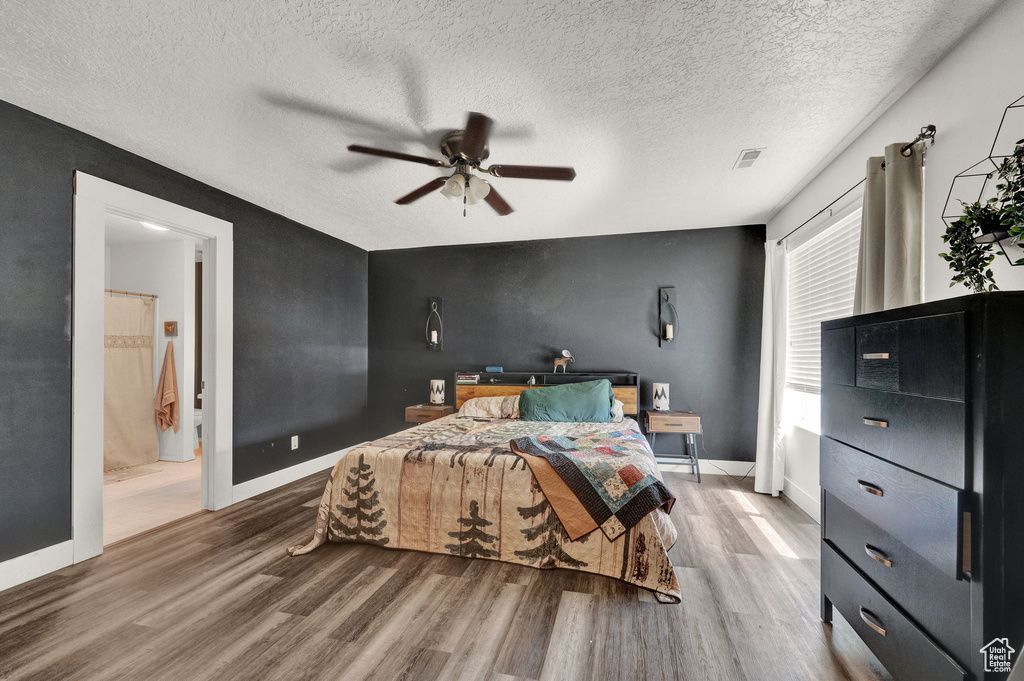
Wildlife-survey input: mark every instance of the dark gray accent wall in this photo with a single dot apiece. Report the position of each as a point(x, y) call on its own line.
point(300, 361)
point(300, 346)
point(517, 304)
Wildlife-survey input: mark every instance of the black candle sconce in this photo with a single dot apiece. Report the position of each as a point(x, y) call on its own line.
point(668, 320)
point(435, 324)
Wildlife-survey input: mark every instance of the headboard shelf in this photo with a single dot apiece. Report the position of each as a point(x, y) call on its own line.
point(625, 385)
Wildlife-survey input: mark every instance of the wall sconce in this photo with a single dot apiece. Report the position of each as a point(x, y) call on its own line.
point(668, 320)
point(435, 325)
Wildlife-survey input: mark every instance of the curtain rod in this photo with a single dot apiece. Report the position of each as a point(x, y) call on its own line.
point(927, 133)
point(129, 293)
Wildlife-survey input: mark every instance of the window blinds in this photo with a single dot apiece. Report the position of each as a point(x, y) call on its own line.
point(821, 280)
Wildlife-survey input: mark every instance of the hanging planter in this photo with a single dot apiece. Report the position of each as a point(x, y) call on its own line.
point(1011, 195)
point(985, 209)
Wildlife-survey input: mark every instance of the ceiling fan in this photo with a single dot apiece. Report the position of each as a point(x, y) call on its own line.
point(465, 151)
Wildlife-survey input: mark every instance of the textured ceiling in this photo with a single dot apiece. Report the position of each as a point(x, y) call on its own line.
point(650, 101)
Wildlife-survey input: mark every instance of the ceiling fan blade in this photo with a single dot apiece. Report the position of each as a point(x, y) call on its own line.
point(534, 172)
point(433, 185)
point(394, 154)
point(495, 201)
point(474, 139)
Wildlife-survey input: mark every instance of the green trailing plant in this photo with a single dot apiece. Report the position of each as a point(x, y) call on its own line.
point(971, 262)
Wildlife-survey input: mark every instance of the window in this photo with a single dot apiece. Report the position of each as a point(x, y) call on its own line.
point(822, 274)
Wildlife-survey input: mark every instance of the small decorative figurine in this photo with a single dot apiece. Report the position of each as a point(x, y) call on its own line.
point(562, 361)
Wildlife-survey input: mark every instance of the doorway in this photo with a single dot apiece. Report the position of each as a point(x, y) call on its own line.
point(99, 203)
point(152, 451)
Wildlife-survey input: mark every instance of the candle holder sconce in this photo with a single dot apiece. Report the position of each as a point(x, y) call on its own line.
point(668, 320)
point(435, 324)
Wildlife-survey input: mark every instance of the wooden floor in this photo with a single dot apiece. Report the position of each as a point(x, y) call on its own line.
point(214, 596)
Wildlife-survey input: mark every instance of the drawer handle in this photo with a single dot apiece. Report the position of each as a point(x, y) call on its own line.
point(876, 355)
point(872, 621)
point(870, 489)
point(877, 555)
point(877, 423)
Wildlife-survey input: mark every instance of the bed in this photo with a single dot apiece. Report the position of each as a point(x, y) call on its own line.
point(454, 486)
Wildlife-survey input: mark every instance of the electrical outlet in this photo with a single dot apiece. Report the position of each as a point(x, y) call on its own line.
point(295, 441)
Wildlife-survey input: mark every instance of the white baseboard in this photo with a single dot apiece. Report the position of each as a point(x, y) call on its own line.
point(712, 467)
point(810, 503)
point(251, 488)
point(36, 564)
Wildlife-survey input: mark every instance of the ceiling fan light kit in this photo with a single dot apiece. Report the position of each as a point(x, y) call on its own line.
point(453, 186)
point(465, 150)
point(462, 182)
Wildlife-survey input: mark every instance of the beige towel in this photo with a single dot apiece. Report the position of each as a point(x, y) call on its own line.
point(166, 400)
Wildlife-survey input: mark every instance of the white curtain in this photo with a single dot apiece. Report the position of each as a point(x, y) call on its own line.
point(770, 466)
point(890, 268)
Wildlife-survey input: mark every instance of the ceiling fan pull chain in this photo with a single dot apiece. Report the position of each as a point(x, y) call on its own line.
point(465, 195)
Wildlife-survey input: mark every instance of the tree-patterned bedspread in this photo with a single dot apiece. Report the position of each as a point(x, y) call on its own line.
point(454, 486)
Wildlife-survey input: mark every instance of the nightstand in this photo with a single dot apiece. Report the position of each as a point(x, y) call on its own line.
point(423, 413)
point(685, 423)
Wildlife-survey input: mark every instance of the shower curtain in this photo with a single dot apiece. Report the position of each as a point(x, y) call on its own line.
point(129, 426)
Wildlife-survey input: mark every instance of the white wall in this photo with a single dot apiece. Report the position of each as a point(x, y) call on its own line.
point(167, 269)
point(964, 96)
point(801, 481)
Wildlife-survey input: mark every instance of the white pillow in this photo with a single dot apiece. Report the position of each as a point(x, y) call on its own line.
point(617, 414)
point(492, 407)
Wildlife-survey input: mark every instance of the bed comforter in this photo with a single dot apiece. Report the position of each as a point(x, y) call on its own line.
point(454, 486)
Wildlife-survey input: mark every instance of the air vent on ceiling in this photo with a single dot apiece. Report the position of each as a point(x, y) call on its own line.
point(747, 158)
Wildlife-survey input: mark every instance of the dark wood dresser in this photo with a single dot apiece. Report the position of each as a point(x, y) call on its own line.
point(922, 476)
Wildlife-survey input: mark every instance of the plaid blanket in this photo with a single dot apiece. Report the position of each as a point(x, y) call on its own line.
point(611, 479)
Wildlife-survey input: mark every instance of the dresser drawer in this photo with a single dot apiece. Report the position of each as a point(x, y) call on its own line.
point(936, 601)
point(878, 356)
point(838, 355)
point(933, 358)
point(907, 653)
point(921, 356)
point(920, 433)
point(919, 512)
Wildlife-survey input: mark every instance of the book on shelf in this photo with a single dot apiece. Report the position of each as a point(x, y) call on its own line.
point(467, 378)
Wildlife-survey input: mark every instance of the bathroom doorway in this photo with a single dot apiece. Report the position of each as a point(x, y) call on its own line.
point(103, 207)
